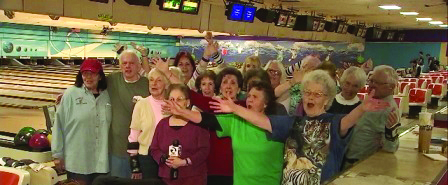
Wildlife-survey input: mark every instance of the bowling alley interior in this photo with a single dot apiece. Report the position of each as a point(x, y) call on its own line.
point(211, 92)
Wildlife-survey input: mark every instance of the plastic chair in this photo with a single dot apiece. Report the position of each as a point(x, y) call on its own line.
point(14, 176)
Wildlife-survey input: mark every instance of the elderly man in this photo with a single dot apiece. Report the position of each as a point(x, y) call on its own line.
point(370, 131)
point(122, 87)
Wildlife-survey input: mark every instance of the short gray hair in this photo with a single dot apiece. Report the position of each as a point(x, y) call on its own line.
point(392, 76)
point(137, 55)
point(323, 78)
point(356, 72)
point(280, 66)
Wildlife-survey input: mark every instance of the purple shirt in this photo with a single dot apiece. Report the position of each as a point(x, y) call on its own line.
point(195, 145)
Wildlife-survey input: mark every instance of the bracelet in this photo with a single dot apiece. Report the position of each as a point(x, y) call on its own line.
point(204, 59)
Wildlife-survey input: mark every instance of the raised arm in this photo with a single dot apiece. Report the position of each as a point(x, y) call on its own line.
point(228, 106)
point(368, 105)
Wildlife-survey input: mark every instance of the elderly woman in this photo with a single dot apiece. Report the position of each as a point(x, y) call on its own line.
point(85, 111)
point(190, 161)
point(255, 75)
point(315, 144)
point(251, 62)
point(257, 160)
point(288, 93)
point(205, 83)
point(145, 117)
point(352, 80)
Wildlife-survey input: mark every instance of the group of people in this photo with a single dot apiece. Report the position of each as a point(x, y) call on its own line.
point(154, 124)
point(417, 65)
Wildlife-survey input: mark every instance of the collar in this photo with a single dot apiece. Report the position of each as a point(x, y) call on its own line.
point(131, 82)
point(343, 101)
point(87, 91)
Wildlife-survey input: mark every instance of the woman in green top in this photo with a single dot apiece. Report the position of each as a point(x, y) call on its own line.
point(249, 143)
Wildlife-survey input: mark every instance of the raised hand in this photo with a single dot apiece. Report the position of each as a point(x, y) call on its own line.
point(161, 65)
point(171, 107)
point(371, 104)
point(392, 118)
point(144, 51)
point(136, 176)
point(223, 106)
point(119, 47)
point(298, 75)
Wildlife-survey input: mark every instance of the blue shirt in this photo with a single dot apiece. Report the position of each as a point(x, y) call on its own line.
point(80, 132)
point(314, 149)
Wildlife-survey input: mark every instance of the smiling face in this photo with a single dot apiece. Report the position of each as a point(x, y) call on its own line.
point(207, 87)
point(256, 100)
point(130, 65)
point(186, 67)
point(156, 85)
point(314, 99)
point(274, 74)
point(229, 86)
point(90, 79)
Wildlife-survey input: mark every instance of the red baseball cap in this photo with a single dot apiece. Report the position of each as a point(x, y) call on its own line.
point(93, 65)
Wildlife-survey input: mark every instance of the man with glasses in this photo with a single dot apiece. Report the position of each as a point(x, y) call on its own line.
point(369, 134)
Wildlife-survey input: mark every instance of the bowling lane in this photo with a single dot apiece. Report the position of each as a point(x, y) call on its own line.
point(35, 76)
point(22, 103)
point(46, 90)
point(33, 84)
point(28, 95)
point(13, 119)
point(29, 79)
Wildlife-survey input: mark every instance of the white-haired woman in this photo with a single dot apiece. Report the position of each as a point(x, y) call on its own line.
point(288, 92)
point(315, 144)
point(145, 117)
point(352, 80)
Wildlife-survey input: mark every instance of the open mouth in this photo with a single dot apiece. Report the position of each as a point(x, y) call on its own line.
point(310, 105)
point(249, 106)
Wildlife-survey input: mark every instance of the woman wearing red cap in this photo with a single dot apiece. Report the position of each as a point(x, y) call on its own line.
point(80, 132)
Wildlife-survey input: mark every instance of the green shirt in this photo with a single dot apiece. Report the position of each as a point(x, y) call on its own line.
point(256, 159)
point(121, 94)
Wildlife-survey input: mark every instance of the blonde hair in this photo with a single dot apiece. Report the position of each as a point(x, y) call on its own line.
point(281, 68)
point(251, 59)
point(154, 72)
point(177, 73)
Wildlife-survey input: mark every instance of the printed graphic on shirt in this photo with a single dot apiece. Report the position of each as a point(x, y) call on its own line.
point(80, 101)
point(304, 166)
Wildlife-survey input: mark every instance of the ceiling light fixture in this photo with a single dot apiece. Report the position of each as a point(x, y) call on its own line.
point(444, 25)
point(424, 19)
point(409, 13)
point(390, 7)
point(436, 22)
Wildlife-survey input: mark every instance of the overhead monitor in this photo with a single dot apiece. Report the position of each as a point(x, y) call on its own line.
point(321, 25)
point(191, 6)
point(291, 21)
point(236, 12)
point(282, 19)
point(249, 13)
point(170, 5)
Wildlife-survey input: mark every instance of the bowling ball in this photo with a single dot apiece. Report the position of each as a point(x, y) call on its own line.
point(8, 47)
point(27, 129)
point(42, 131)
point(23, 138)
point(39, 141)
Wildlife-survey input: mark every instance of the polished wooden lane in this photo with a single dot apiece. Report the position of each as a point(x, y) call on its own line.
point(13, 119)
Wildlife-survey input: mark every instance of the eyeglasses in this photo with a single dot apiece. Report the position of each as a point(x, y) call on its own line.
point(315, 94)
point(180, 99)
point(273, 72)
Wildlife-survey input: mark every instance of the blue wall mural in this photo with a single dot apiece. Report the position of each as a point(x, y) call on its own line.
point(289, 52)
point(18, 40)
point(398, 55)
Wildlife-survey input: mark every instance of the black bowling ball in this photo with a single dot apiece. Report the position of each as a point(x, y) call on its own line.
point(42, 131)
